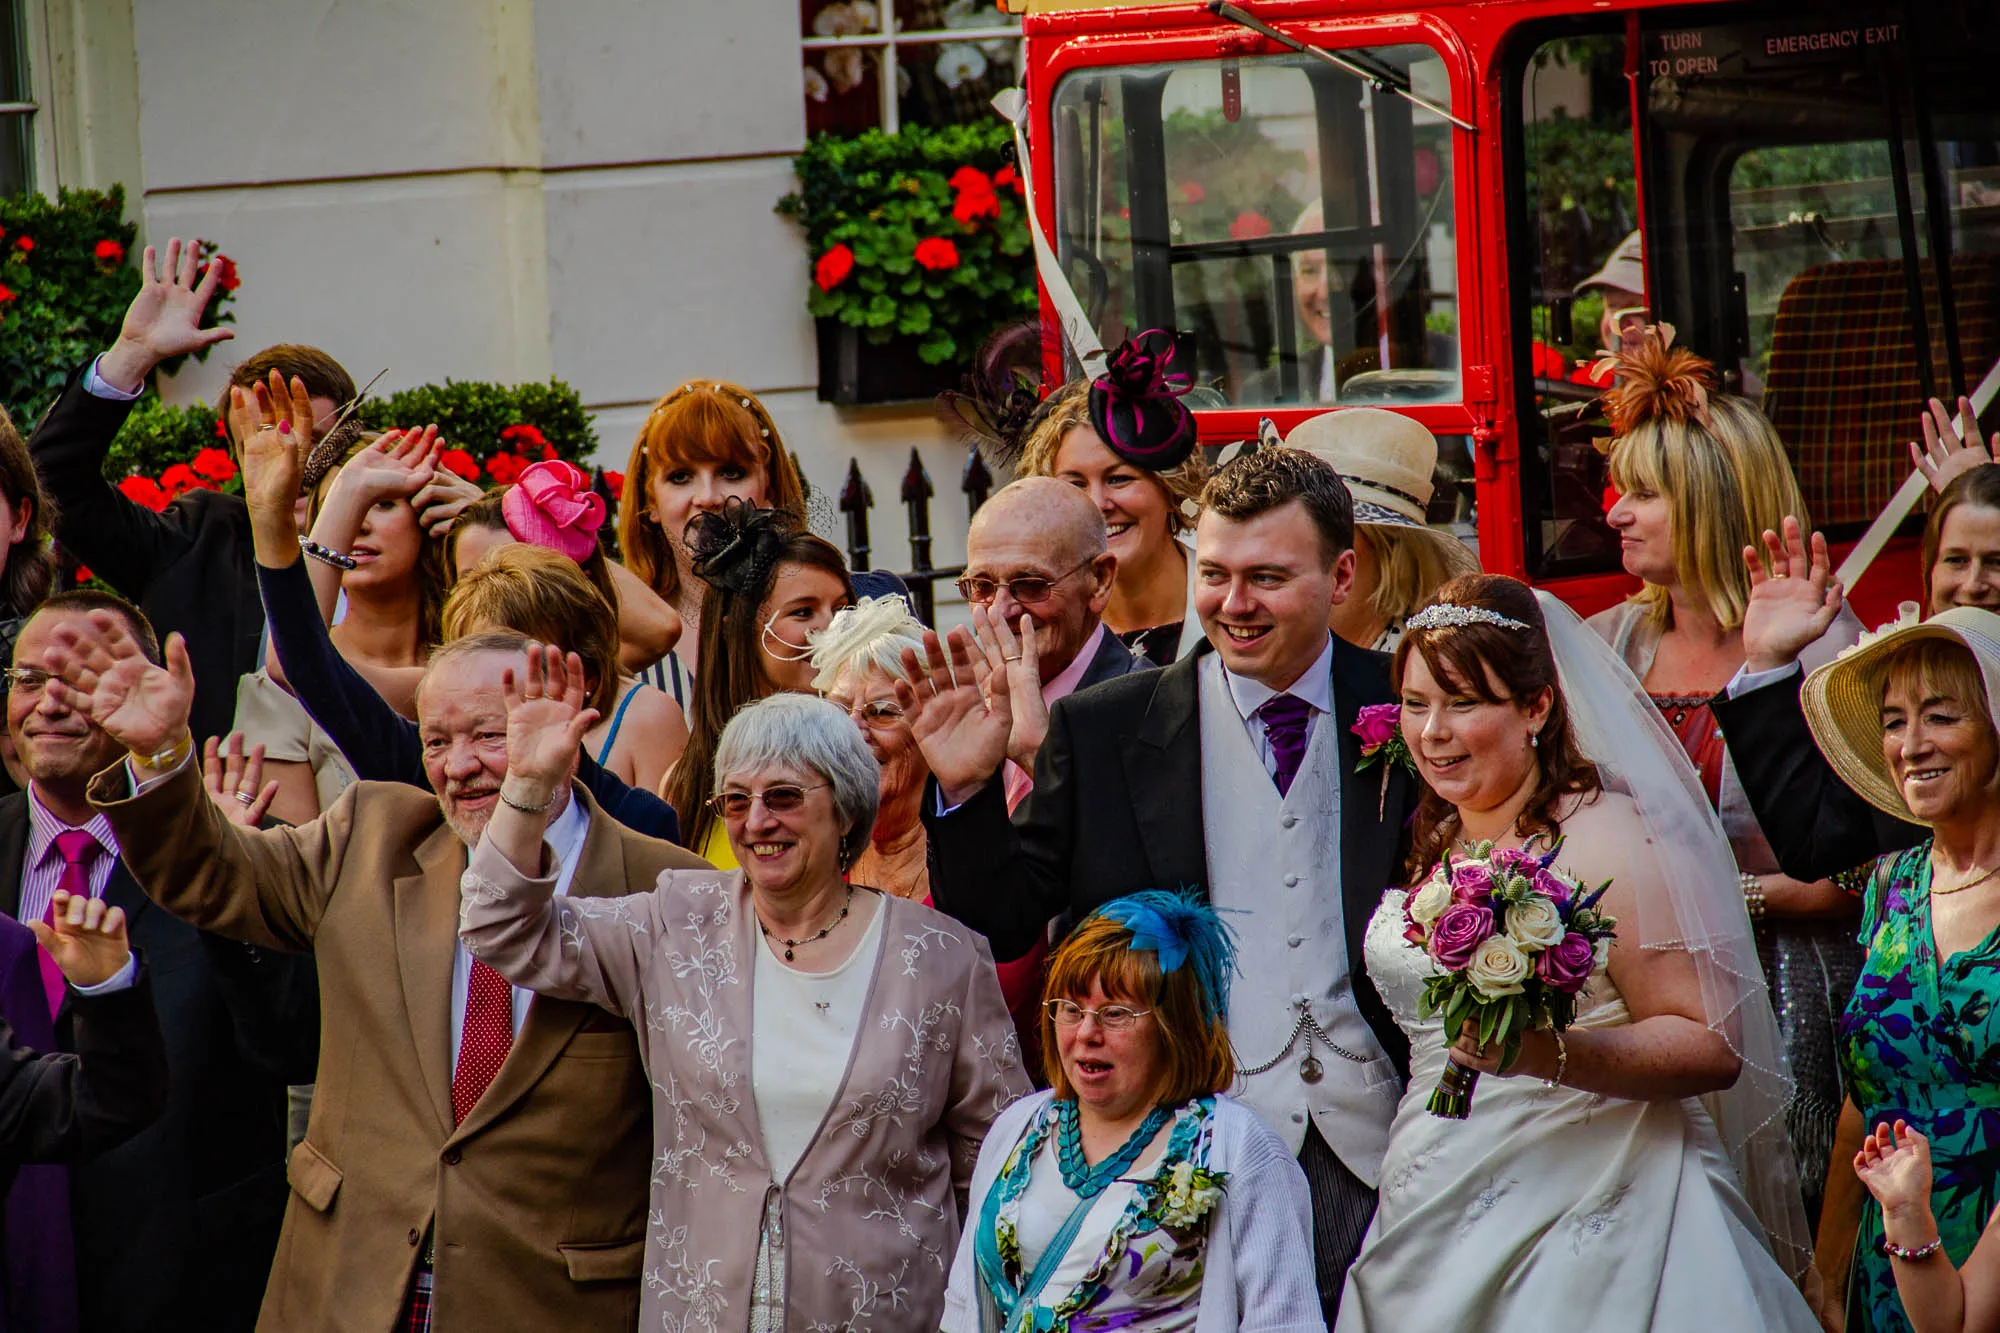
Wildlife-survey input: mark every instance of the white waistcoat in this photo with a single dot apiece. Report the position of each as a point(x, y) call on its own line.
point(1274, 873)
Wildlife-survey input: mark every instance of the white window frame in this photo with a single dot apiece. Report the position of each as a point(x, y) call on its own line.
point(887, 43)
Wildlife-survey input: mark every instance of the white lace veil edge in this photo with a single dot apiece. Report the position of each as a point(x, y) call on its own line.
point(1698, 908)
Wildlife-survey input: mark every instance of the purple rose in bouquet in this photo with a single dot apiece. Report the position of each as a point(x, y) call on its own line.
point(1458, 933)
point(1552, 885)
point(1471, 882)
point(1567, 964)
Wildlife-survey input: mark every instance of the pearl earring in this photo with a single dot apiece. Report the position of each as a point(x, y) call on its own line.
point(1534, 739)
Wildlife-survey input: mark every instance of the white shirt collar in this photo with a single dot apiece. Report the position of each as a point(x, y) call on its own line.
point(565, 837)
point(44, 825)
point(1315, 687)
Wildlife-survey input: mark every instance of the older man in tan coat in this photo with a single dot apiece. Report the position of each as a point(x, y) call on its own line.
point(475, 1160)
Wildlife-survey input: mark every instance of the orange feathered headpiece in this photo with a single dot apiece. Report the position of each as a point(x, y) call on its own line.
point(1657, 382)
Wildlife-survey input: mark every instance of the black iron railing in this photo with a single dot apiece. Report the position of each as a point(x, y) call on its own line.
point(856, 499)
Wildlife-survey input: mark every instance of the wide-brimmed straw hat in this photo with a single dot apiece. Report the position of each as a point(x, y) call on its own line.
point(1843, 699)
point(1387, 461)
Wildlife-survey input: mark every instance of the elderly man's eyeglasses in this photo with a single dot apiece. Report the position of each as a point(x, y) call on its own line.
point(782, 799)
point(875, 714)
point(28, 680)
point(1029, 590)
point(1112, 1017)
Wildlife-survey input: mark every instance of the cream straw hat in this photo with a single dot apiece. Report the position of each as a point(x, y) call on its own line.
point(1843, 699)
point(1387, 460)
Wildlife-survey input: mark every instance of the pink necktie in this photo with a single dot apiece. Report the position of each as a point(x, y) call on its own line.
point(78, 851)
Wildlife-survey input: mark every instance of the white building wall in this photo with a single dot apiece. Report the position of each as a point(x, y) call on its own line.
point(504, 190)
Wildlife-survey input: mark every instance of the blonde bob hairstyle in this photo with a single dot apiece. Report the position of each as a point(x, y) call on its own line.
point(546, 596)
point(1068, 409)
point(1194, 1048)
point(1412, 565)
point(703, 421)
point(1724, 483)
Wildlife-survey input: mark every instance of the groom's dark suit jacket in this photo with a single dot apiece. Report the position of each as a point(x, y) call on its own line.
point(1117, 808)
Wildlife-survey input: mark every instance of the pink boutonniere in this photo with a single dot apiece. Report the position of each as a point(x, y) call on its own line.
point(1380, 731)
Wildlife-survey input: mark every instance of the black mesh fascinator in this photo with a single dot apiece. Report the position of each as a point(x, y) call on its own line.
point(734, 548)
point(1136, 407)
point(997, 400)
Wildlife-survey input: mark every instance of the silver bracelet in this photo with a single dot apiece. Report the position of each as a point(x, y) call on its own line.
point(527, 809)
point(326, 555)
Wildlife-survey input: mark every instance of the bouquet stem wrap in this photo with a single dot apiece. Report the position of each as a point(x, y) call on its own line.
point(1452, 1098)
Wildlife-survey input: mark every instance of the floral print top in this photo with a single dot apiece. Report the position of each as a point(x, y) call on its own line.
point(1920, 1041)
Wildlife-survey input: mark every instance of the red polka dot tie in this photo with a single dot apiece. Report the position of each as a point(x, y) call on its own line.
point(487, 1036)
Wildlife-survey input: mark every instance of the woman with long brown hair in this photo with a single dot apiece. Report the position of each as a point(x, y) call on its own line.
point(704, 444)
point(1628, 1180)
point(771, 586)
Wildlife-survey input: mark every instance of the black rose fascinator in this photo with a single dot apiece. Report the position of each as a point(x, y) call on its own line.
point(734, 548)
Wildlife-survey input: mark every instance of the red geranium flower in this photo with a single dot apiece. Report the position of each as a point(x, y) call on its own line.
point(460, 462)
point(1191, 192)
point(506, 468)
point(1249, 225)
point(229, 281)
point(6, 294)
point(144, 491)
point(180, 479)
point(833, 268)
point(110, 254)
point(970, 178)
point(83, 574)
point(215, 464)
point(521, 435)
point(221, 429)
point(615, 481)
point(1007, 176)
point(971, 205)
point(936, 252)
point(24, 244)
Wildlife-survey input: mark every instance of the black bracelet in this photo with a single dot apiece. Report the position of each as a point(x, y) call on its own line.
point(326, 554)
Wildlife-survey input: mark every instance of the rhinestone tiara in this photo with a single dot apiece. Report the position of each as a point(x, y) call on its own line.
point(1450, 615)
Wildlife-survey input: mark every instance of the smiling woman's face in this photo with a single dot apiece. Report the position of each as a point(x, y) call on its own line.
point(1473, 753)
point(1940, 750)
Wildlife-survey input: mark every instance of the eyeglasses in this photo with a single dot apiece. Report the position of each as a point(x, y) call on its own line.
point(1029, 590)
point(875, 714)
point(782, 799)
point(28, 680)
point(1112, 1017)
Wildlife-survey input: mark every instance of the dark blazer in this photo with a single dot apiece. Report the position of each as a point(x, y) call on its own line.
point(1113, 660)
point(1117, 808)
point(189, 568)
point(186, 1214)
point(1816, 824)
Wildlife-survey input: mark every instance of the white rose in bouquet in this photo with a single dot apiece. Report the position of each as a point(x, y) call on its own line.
point(1498, 968)
point(1429, 902)
point(1535, 922)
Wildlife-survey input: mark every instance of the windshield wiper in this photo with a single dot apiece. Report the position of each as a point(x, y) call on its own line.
point(1383, 78)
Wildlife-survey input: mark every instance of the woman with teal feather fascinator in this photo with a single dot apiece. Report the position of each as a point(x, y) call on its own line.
point(1133, 1194)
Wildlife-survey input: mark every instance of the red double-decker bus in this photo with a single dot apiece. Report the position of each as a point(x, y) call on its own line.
point(1432, 222)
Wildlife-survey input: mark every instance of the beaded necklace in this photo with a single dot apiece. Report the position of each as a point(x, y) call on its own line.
point(1087, 1181)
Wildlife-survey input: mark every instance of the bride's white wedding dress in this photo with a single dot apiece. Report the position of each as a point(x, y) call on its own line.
point(1552, 1209)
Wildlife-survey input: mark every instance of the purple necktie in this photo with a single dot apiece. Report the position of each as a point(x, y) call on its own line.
point(1285, 717)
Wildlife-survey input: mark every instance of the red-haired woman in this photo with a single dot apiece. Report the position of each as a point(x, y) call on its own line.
point(706, 442)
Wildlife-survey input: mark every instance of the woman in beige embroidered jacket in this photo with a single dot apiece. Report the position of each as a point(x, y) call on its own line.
point(825, 1058)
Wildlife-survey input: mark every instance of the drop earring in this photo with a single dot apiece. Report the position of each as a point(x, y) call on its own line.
point(1534, 740)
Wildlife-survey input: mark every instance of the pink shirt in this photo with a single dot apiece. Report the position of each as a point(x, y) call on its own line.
point(1019, 782)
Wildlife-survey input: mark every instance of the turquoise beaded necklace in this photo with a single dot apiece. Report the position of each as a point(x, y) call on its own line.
point(1088, 1181)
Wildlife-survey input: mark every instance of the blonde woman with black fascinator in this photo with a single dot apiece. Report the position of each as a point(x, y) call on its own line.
point(1700, 474)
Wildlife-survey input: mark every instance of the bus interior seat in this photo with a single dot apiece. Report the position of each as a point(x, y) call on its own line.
point(1842, 387)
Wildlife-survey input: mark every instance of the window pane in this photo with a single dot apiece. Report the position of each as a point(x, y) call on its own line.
point(14, 85)
point(843, 85)
point(950, 82)
point(1580, 197)
point(1257, 208)
point(16, 155)
point(17, 142)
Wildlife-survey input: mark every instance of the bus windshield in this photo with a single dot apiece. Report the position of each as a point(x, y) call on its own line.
point(1292, 225)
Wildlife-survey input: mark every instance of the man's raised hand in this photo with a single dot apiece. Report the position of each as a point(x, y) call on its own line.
point(546, 722)
point(101, 673)
point(1793, 604)
point(164, 319)
point(87, 939)
point(959, 712)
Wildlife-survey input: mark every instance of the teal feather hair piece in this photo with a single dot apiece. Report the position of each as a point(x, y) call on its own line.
point(1182, 930)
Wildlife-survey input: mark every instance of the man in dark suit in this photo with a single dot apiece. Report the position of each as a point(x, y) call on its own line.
point(1232, 773)
point(186, 1214)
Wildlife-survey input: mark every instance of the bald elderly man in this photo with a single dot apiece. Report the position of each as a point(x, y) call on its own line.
point(1038, 549)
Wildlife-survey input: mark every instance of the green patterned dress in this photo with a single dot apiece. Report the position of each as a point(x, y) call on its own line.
point(1920, 1041)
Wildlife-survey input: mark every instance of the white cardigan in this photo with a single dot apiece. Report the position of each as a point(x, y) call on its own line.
point(1258, 1273)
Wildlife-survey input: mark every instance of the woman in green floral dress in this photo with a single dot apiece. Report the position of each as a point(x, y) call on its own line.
point(1907, 720)
point(1131, 1196)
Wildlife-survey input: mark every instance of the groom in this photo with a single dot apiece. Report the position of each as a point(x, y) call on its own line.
point(1232, 772)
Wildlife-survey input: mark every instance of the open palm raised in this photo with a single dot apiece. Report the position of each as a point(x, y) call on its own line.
point(546, 722)
point(959, 712)
point(102, 673)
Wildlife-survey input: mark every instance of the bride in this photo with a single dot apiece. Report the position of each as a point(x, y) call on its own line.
point(1632, 1172)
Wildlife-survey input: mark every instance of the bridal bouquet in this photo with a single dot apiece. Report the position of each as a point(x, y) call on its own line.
point(1514, 939)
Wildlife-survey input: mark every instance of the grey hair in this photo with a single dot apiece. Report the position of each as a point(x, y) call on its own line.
point(873, 632)
point(489, 641)
point(802, 731)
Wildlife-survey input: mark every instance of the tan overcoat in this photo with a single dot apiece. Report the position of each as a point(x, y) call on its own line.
point(869, 1216)
point(539, 1198)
